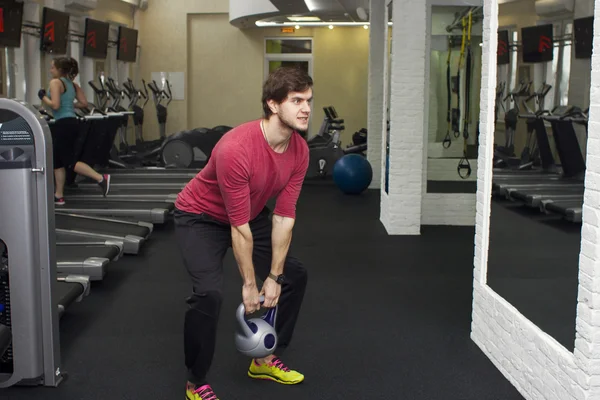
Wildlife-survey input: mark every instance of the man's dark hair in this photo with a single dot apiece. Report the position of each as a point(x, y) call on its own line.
point(281, 82)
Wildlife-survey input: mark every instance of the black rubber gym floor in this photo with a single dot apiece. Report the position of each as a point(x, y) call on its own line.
point(534, 265)
point(384, 318)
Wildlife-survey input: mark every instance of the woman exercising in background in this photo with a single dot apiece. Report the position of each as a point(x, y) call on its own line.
point(65, 96)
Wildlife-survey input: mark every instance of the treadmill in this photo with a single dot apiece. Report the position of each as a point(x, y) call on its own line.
point(74, 227)
point(160, 171)
point(96, 150)
point(534, 197)
point(120, 192)
point(70, 289)
point(133, 185)
point(569, 205)
point(564, 197)
point(527, 171)
point(151, 211)
point(571, 210)
point(572, 162)
point(71, 286)
point(88, 259)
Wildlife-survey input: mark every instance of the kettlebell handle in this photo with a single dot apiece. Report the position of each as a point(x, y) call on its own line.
point(270, 317)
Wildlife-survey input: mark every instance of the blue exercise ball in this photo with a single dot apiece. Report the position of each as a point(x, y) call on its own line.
point(352, 174)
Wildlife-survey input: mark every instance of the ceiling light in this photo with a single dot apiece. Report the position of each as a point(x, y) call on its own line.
point(320, 23)
point(366, 26)
point(330, 26)
point(303, 19)
point(362, 13)
point(297, 26)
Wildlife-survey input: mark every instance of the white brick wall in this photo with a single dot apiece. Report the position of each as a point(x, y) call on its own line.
point(401, 213)
point(437, 150)
point(449, 209)
point(532, 360)
point(376, 108)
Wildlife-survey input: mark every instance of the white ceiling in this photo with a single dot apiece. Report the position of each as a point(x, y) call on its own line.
point(325, 10)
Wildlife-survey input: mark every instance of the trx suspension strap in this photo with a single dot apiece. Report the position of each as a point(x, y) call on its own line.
point(464, 167)
point(456, 111)
point(447, 141)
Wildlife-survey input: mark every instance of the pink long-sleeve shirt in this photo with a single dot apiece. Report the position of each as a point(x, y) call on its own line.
point(243, 173)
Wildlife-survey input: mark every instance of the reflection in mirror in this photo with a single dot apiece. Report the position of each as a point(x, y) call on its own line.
point(539, 165)
point(454, 86)
point(388, 83)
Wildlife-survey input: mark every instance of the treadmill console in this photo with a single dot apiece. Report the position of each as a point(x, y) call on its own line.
point(16, 141)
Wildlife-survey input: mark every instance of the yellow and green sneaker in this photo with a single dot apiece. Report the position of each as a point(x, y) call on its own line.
point(204, 392)
point(276, 371)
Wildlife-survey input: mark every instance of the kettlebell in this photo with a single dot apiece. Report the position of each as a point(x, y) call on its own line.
point(256, 337)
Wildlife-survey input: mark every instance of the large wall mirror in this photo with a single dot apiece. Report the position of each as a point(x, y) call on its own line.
point(388, 93)
point(454, 87)
point(542, 101)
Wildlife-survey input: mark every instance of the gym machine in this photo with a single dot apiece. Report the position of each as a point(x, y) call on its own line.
point(191, 149)
point(138, 111)
point(158, 95)
point(182, 153)
point(530, 156)
point(34, 295)
point(504, 156)
point(330, 123)
point(553, 192)
point(155, 211)
point(325, 147)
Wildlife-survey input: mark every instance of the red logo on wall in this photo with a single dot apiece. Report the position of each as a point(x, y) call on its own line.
point(502, 48)
point(91, 39)
point(49, 31)
point(545, 43)
point(1, 19)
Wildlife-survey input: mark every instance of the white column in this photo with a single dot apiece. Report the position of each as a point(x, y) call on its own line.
point(376, 109)
point(86, 64)
point(401, 207)
point(58, 5)
point(20, 73)
point(32, 55)
point(86, 68)
point(111, 65)
point(77, 24)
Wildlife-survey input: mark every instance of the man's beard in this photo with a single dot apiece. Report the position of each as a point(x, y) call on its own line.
point(290, 124)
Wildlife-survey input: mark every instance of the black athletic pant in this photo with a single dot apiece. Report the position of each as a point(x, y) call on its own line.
point(64, 137)
point(203, 242)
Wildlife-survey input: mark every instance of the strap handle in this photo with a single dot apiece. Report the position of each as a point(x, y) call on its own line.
point(464, 168)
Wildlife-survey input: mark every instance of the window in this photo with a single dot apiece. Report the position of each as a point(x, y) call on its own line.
point(288, 46)
point(557, 72)
point(288, 52)
point(565, 68)
point(507, 74)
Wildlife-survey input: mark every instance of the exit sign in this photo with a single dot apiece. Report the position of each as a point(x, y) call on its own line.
point(288, 30)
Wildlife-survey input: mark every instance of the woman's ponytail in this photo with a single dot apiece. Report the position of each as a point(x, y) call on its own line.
point(74, 68)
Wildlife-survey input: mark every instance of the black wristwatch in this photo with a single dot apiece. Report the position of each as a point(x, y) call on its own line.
point(277, 278)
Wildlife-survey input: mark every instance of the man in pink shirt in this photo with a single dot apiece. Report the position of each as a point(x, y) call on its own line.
point(225, 206)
